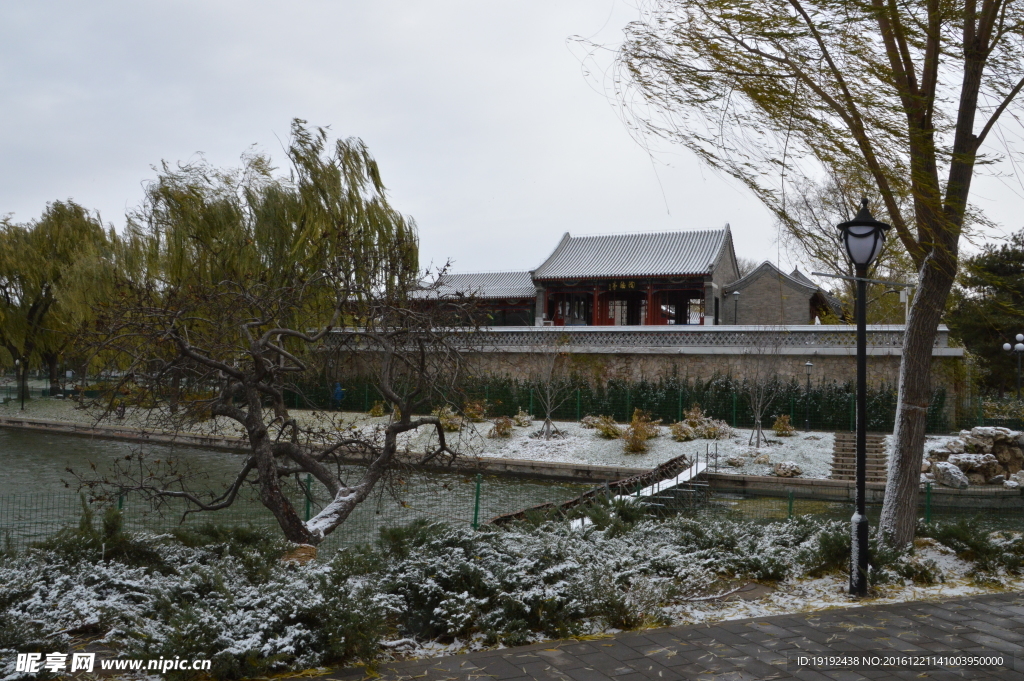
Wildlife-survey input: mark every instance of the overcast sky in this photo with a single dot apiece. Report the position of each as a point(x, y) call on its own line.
point(487, 127)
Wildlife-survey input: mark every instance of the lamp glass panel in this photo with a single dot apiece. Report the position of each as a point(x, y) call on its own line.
point(1020, 337)
point(860, 244)
point(863, 243)
point(1019, 347)
point(1006, 347)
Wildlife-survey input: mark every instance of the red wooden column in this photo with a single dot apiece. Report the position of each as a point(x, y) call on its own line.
point(650, 304)
point(595, 315)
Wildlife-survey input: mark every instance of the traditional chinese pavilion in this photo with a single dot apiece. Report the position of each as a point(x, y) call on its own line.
point(613, 280)
point(636, 279)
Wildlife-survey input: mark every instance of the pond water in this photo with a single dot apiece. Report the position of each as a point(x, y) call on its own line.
point(38, 495)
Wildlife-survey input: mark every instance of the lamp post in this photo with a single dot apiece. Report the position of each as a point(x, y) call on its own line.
point(863, 237)
point(21, 387)
point(807, 397)
point(1017, 349)
point(736, 307)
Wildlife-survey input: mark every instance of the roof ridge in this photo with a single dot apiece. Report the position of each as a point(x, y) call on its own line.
point(487, 272)
point(734, 285)
point(671, 231)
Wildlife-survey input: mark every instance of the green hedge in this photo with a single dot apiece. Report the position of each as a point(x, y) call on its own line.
point(828, 406)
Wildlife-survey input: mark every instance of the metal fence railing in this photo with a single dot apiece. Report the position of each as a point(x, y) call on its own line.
point(458, 500)
point(468, 502)
point(825, 407)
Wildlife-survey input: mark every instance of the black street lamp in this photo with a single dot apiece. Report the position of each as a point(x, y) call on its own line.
point(807, 398)
point(736, 307)
point(863, 237)
point(21, 388)
point(1018, 350)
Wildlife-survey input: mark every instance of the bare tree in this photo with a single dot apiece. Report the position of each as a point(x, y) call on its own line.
point(553, 385)
point(761, 376)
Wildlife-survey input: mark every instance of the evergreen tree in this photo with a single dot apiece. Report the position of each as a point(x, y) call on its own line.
point(988, 308)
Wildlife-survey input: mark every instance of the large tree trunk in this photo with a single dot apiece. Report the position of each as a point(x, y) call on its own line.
point(53, 368)
point(899, 510)
point(23, 381)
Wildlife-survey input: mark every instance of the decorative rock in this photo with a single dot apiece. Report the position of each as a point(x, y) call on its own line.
point(1011, 484)
point(736, 461)
point(926, 478)
point(788, 469)
point(985, 464)
point(997, 480)
point(939, 454)
point(949, 475)
point(1018, 477)
point(926, 466)
point(762, 458)
point(955, 446)
point(976, 478)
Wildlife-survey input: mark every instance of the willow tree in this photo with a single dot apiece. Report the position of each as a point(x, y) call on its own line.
point(233, 285)
point(778, 92)
point(50, 271)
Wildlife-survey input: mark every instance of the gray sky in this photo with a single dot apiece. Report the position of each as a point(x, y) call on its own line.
point(487, 129)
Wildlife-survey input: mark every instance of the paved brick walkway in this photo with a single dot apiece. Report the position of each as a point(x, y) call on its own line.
point(761, 648)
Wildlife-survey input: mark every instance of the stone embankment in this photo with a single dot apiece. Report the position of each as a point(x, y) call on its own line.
point(975, 496)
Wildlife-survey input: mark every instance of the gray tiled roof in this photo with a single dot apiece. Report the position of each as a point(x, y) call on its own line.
point(488, 285)
point(634, 255)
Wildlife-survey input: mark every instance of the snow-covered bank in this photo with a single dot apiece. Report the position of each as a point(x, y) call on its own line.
point(812, 452)
point(430, 590)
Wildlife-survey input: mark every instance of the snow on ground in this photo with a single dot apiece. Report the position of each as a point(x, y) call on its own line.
point(579, 445)
point(800, 595)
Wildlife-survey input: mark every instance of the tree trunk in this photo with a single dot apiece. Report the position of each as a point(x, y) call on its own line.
point(273, 498)
point(23, 381)
point(53, 368)
point(899, 510)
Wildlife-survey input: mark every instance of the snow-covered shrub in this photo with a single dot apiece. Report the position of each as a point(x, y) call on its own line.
point(607, 428)
point(377, 409)
point(704, 426)
point(782, 427)
point(639, 431)
point(713, 429)
point(502, 427)
point(208, 603)
point(108, 542)
point(682, 431)
point(475, 411)
point(990, 553)
point(589, 421)
point(450, 421)
point(522, 419)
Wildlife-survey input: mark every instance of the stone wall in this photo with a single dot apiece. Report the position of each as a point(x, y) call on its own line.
point(600, 368)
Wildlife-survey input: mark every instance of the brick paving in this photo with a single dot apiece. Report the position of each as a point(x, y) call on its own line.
point(759, 648)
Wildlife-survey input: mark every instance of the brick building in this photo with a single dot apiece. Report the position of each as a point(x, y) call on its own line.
point(769, 296)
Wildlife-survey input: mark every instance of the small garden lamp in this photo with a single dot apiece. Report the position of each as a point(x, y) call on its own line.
point(1017, 349)
point(863, 237)
point(736, 307)
point(807, 406)
point(21, 387)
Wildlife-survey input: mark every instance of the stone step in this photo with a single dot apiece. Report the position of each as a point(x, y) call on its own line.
point(876, 459)
point(869, 469)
